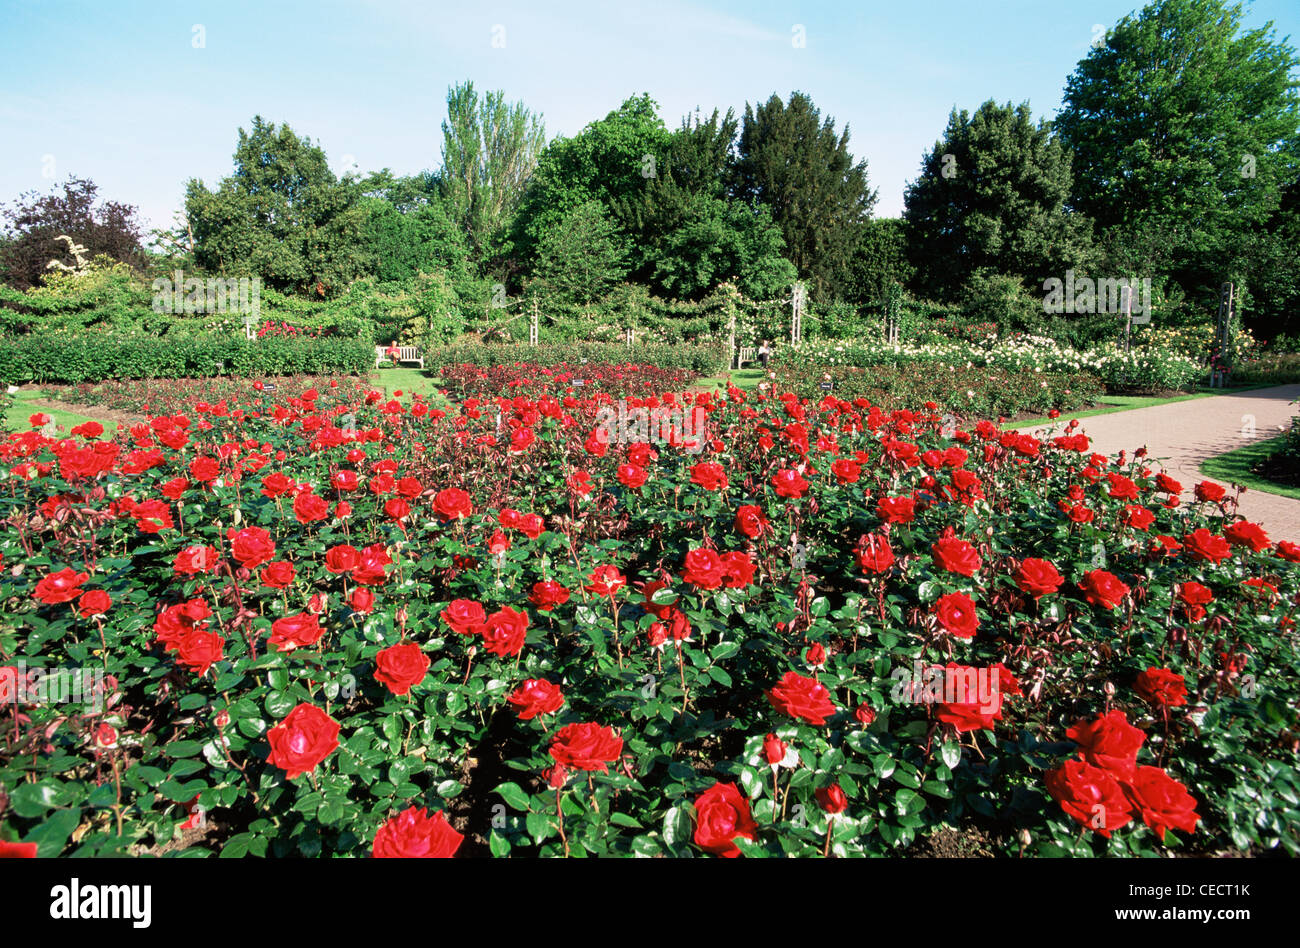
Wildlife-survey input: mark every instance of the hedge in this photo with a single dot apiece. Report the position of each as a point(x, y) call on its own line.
point(701, 358)
point(68, 358)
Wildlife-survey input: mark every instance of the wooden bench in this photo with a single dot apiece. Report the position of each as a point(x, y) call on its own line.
point(404, 354)
point(746, 354)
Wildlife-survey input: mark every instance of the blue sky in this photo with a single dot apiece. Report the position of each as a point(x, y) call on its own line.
point(119, 92)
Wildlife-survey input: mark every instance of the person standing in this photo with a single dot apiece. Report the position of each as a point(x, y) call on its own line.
point(764, 353)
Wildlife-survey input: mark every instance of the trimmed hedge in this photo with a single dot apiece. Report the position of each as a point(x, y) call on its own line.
point(94, 357)
point(700, 358)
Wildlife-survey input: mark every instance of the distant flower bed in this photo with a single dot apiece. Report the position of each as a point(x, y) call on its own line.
point(523, 378)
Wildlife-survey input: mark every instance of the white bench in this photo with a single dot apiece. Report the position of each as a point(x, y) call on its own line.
point(404, 354)
point(746, 354)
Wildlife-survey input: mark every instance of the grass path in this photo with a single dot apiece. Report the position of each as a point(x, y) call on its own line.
point(1235, 468)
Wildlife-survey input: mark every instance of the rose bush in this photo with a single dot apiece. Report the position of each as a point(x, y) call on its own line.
point(301, 622)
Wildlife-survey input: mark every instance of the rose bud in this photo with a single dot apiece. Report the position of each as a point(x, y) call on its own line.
point(556, 776)
point(222, 719)
point(774, 750)
point(106, 737)
point(865, 714)
point(816, 655)
point(832, 799)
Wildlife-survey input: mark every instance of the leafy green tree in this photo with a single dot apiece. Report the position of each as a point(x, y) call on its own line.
point(282, 215)
point(34, 223)
point(879, 261)
point(584, 256)
point(398, 246)
point(490, 148)
point(993, 195)
point(1183, 124)
point(796, 164)
point(609, 161)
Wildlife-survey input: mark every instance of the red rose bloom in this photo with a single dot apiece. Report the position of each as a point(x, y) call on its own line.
point(296, 631)
point(94, 602)
point(1204, 545)
point(413, 834)
point(631, 476)
point(586, 747)
point(195, 559)
point(956, 556)
point(751, 521)
point(401, 667)
point(362, 600)
point(703, 569)
point(709, 476)
point(605, 581)
point(17, 850)
point(63, 586)
point(342, 559)
point(278, 575)
point(846, 471)
point(505, 632)
point(805, 699)
point(251, 546)
point(737, 570)
point(307, 507)
point(1108, 742)
point(721, 815)
point(1038, 577)
point(1163, 802)
point(832, 799)
point(465, 616)
point(789, 483)
point(548, 594)
point(1209, 491)
point(305, 737)
point(452, 504)
point(1245, 533)
point(198, 650)
point(536, 696)
point(956, 613)
point(1089, 795)
point(1103, 589)
point(874, 554)
point(900, 510)
point(1161, 686)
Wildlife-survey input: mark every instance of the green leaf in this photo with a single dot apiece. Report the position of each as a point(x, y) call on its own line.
point(514, 795)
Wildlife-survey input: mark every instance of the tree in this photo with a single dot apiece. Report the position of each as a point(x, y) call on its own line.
point(490, 148)
point(796, 164)
point(1184, 125)
point(35, 222)
point(609, 161)
point(879, 262)
point(992, 195)
point(282, 215)
point(584, 256)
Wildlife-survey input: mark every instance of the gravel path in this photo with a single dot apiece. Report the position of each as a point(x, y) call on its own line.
point(1184, 434)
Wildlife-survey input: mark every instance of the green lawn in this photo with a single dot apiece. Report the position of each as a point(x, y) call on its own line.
point(410, 381)
point(22, 409)
point(744, 379)
point(1235, 468)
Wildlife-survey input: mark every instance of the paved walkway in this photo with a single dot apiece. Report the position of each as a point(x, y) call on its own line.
point(1184, 434)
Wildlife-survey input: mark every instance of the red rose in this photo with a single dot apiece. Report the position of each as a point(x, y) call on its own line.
point(874, 554)
point(94, 602)
point(721, 815)
point(342, 558)
point(956, 613)
point(774, 750)
point(1139, 518)
point(805, 699)
point(1161, 686)
point(956, 556)
point(536, 696)
point(465, 616)
point(1038, 577)
point(452, 503)
point(1163, 802)
point(297, 631)
point(205, 469)
point(703, 569)
point(1103, 589)
point(1289, 551)
point(1207, 490)
point(63, 586)
point(548, 594)
point(832, 799)
point(846, 471)
point(307, 507)
point(277, 484)
point(737, 570)
point(362, 600)
point(195, 559)
point(401, 667)
point(278, 575)
point(586, 746)
point(789, 483)
point(982, 706)
point(709, 476)
point(605, 581)
point(751, 521)
point(1245, 533)
point(1204, 545)
point(865, 714)
point(1090, 795)
point(198, 650)
point(505, 632)
point(17, 850)
point(900, 510)
point(1108, 742)
point(305, 737)
point(413, 834)
point(251, 546)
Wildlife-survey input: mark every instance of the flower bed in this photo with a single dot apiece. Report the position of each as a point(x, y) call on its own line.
point(335, 623)
point(524, 378)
